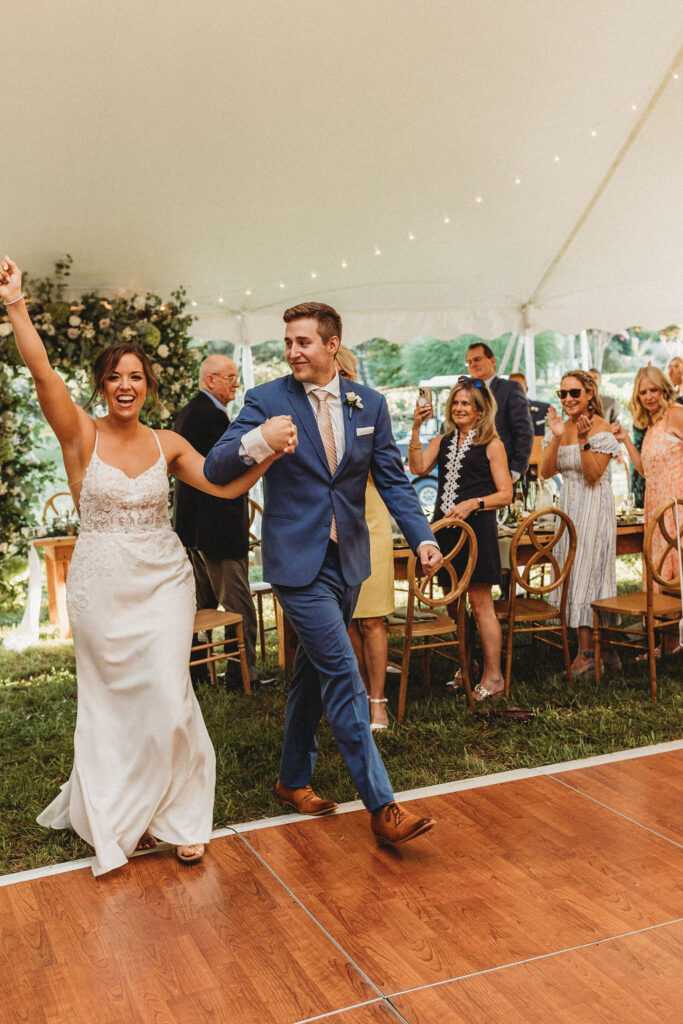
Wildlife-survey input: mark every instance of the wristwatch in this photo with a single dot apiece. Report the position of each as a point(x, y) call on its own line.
point(481, 504)
point(586, 447)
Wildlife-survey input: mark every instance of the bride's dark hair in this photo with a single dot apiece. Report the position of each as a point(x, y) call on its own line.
point(108, 360)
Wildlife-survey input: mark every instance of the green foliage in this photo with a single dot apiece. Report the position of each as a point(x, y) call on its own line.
point(74, 333)
point(428, 357)
point(380, 364)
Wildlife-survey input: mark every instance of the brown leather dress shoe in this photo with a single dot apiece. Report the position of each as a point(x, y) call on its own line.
point(393, 825)
point(303, 800)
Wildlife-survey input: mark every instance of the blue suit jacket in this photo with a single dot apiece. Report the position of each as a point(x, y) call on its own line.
point(301, 493)
point(513, 423)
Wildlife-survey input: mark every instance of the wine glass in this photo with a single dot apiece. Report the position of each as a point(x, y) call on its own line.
point(629, 503)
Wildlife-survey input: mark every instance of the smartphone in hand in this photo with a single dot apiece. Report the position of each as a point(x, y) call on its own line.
point(424, 397)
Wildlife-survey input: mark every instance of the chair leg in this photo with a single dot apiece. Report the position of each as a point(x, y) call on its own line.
point(464, 652)
point(403, 686)
point(261, 629)
point(212, 664)
point(508, 656)
point(596, 647)
point(651, 652)
point(565, 651)
point(246, 683)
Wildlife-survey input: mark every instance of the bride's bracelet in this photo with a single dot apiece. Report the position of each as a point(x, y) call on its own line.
point(11, 303)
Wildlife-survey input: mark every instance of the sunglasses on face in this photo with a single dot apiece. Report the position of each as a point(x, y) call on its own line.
point(571, 392)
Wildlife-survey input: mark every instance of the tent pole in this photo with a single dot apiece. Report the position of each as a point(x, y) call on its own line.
point(530, 362)
point(507, 353)
point(585, 351)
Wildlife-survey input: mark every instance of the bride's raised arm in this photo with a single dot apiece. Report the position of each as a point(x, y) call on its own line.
point(69, 422)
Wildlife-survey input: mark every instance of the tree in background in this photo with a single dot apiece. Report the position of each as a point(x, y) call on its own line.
point(380, 364)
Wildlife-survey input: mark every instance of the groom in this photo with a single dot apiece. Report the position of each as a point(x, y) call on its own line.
point(316, 551)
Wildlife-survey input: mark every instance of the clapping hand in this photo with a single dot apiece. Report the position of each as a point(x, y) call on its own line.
point(583, 425)
point(555, 423)
point(10, 280)
point(280, 434)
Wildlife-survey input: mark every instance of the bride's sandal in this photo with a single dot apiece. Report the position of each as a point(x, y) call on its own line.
point(378, 726)
point(190, 854)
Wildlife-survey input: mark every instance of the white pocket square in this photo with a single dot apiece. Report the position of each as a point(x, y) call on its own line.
point(365, 430)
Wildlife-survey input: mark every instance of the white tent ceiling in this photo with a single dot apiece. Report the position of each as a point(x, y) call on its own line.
point(240, 148)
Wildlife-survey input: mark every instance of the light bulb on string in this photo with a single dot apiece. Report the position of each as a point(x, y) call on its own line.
point(634, 106)
point(593, 132)
point(447, 220)
point(313, 273)
point(344, 264)
point(220, 298)
point(518, 180)
point(675, 75)
point(478, 199)
point(282, 284)
point(378, 251)
point(411, 236)
point(556, 159)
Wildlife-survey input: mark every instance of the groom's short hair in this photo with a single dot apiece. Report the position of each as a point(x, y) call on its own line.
point(329, 321)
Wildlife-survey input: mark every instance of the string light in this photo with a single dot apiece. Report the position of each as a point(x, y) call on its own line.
point(248, 291)
point(518, 180)
point(478, 199)
point(282, 284)
point(447, 220)
point(593, 132)
point(193, 303)
point(220, 298)
point(344, 264)
point(675, 75)
point(378, 251)
point(313, 273)
point(411, 236)
point(556, 159)
point(162, 307)
point(634, 106)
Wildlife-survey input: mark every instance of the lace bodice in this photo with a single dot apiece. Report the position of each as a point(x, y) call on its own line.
point(112, 502)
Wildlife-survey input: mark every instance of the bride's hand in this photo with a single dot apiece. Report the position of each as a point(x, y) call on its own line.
point(10, 280)
point(280, 433)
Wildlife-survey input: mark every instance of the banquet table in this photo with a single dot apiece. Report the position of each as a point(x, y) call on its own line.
point(629, 542)
point(58, 552)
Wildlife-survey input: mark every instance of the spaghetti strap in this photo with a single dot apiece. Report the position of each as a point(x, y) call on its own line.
point(161, 450)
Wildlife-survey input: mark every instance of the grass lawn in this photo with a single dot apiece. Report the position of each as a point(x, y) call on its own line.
point(439, 741)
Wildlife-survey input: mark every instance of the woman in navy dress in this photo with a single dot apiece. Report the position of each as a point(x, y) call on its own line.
point(473, 481)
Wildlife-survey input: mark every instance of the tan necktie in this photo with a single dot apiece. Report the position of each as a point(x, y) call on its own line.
point(327, 435)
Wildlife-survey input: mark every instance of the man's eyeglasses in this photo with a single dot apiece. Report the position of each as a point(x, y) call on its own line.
point(230, 377)
point(572, 392)
point(470, 380)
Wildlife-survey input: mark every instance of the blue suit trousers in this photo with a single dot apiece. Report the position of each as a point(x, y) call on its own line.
point(326, 678)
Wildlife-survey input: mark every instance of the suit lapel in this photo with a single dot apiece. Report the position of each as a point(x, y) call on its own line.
point(302, 406)
point(349, 423)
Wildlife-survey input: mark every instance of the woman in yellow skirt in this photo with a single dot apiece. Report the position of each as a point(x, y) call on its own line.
point(368, 631)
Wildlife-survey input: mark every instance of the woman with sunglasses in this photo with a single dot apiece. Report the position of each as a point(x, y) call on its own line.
point(660, 460)
point(580, 448)
point(473, 481)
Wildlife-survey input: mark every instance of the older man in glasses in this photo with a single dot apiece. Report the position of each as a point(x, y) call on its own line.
point(216, 531)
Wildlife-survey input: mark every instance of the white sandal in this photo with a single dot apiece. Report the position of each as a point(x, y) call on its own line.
point(378, 726)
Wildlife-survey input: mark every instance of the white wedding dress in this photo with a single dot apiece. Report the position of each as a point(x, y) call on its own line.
point(142, 756)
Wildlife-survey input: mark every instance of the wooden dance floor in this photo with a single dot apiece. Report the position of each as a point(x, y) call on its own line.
point(552, 895)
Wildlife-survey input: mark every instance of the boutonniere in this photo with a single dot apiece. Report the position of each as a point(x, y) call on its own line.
point(353, 401)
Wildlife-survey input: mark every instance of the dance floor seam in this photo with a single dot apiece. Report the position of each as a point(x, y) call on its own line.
point(614, 810)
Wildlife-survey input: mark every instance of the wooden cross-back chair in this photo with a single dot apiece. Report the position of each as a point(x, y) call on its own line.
point(661, 610)
point(532, 613)
point(59, 504)
point(424, 636)
point(259, 590)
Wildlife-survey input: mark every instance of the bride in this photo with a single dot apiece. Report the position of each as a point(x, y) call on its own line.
point(144, 766)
